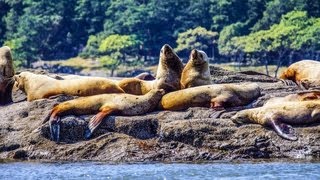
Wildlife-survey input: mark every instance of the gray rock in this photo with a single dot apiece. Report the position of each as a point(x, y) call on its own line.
point(197, 134)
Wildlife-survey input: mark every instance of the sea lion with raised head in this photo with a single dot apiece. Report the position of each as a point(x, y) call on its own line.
point(6, 74)
point(169, 70)
point(104, 105)
point(37, 86)
point(196, 72)
point(278, 115)
point(305, 73)
point(168, 75)
point(214, 96)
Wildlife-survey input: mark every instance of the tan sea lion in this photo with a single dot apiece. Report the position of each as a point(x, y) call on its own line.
point(169, 70)
point(301, 96)
point(303, 72)
point(135, 86)
point(168, 75)
point(6, 74)
point(104, 105)
point(196, 72)
point(214, 96)
point(38, 86)
point(278, 115)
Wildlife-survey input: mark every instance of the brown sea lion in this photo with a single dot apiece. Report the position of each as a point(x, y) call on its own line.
point(104, 105)
point(278, 115)
point(306, 71)
point(38, 86)
point(169, 70)
point(196, 72)
point(145, 76)
point(6, 74)
point(214, 96)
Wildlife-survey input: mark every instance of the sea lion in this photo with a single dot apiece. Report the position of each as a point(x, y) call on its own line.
point(104, 105)
point(37, 86)
point(196, 72)
point(301, 96)
point(305, 71)
point(214, 96)
point(135, 86)
point(6, 74)
point(145, 76)
point(278, 115)
point(169, 70)
point(168, 75)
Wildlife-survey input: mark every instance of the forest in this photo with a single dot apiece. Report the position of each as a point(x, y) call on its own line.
point(115, 32)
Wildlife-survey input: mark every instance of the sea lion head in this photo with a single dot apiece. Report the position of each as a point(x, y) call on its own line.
point(6, 65)
point(240, 117)
point(20, 80)
point(198, 57)
point(155, 95)
point(170, 59)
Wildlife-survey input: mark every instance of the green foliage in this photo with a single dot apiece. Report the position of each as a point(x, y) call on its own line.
point(110, 61)
point(118, 43)
point(38, 29)
point(198, 38)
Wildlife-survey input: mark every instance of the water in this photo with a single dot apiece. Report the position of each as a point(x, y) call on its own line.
point(91, 170)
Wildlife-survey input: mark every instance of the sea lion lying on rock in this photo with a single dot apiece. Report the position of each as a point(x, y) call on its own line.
point(37, 86)
point(104, 105)
point(214, 96)
point(6, 74)
point(196, 72)
point(305, 73)
point(277, 113)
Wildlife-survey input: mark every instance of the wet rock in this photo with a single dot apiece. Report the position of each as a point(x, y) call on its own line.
point(196, 134)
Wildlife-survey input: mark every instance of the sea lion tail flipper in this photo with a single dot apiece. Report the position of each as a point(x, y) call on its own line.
point(96, 120)
point(54, 124)
point(284, 130)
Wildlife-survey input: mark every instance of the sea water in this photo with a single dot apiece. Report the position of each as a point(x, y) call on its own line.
point(96, 170)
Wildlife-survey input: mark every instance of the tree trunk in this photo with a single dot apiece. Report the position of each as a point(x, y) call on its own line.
point(291, 57)
point(212, 54)
point(112, 72)
point(281, 54)
point(266, 63)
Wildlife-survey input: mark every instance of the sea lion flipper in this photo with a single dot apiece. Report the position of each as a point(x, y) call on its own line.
point(284, 130)
point(54, 124)
point(96, 120)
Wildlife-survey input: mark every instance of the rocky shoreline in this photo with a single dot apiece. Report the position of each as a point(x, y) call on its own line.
point(165, 136)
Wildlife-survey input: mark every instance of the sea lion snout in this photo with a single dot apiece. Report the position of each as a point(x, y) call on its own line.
point(239, 118)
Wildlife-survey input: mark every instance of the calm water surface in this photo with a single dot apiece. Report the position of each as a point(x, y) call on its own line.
point(92, 170)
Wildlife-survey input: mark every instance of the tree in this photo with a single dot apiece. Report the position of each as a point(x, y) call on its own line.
point(198, 38)
point(115, 49)
point(295, 32)
point(89, 18)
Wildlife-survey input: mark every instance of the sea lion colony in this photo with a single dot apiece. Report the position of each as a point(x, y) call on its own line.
point(184, 86)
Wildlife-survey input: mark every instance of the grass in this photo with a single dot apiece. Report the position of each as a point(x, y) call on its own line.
point(260, 69)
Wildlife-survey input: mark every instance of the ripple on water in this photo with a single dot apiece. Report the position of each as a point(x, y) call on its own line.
point(91, 170)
